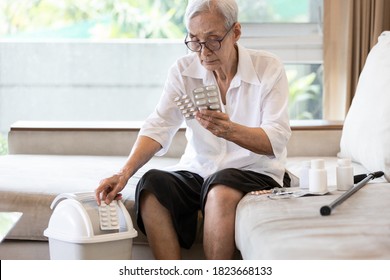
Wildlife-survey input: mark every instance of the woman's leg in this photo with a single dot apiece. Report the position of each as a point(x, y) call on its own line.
point(159, 228)
point(167, 205)
point(219, 222)
point(221, 193)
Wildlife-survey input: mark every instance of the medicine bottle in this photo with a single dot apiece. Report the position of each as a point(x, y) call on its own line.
point(318, 177)
point(344, 174)
point(304, 174)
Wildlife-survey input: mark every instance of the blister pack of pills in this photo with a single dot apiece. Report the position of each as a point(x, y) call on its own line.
point(186, 106)
point(108, 215)
point(206, 97)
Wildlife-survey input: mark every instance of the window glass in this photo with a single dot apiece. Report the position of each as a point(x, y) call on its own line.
point(280, 11)
point(305, 96)
point(114, 54)
point(131, 18)
point(92, 19)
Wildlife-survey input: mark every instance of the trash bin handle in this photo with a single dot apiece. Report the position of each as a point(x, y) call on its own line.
point(81, 196)
point(77, 198)
point(129, 222)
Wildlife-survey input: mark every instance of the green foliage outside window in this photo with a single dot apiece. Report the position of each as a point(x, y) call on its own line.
point(305, 95)
point(92, 19)
point(272, 11)
point(126, 18)
point(3, 145)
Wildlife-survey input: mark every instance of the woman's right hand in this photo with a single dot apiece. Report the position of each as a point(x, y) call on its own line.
point(143, 150)
point(110, 188)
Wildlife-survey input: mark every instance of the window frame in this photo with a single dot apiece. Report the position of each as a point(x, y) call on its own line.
point(292, 42)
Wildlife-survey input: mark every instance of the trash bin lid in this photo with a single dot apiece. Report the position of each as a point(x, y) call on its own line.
point(71, 222)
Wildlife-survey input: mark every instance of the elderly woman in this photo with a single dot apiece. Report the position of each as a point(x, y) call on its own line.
point(230, 152)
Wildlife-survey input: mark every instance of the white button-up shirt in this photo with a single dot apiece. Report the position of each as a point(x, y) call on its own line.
point(257, 97)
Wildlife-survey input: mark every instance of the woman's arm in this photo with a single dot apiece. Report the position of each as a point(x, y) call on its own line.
point(252, 138)
point(143, 150)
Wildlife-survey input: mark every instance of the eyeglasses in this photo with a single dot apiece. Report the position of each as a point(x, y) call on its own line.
point(212, 44)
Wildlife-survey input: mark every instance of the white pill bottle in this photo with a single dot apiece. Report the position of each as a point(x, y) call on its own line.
point(344, 174)
point(304, 174)
point(318, 177)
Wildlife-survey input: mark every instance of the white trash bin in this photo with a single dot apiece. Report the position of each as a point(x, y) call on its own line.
point(74, 231)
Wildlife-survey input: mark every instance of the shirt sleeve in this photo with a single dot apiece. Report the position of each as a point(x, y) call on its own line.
point(275, 119)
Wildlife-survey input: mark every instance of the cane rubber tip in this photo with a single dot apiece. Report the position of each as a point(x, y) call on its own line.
point(325, 210)
point(378, 174)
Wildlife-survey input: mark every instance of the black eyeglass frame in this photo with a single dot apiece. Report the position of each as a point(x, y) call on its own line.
point(201, 44)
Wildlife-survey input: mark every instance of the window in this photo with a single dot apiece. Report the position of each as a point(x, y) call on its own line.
point(91, 19)
point(107, 60)
point(293, 31)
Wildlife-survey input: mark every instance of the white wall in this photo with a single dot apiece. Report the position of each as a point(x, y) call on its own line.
point(82, 80)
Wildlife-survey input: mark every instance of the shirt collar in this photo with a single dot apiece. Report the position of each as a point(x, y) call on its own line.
point(245, 71)
point(197, 71)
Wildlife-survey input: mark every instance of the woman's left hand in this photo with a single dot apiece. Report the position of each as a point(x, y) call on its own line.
point(216, 122)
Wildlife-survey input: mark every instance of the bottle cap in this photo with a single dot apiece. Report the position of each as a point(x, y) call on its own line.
point(344, 162)
point(317, 164)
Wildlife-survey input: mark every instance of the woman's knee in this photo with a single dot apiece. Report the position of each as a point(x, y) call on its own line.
point(154, 176)
point(150, 206)
point(223, 195)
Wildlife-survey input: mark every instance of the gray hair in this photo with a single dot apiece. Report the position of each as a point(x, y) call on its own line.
point(227, 8)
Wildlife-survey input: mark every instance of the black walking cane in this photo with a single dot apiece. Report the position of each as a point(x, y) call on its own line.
point(327, 209)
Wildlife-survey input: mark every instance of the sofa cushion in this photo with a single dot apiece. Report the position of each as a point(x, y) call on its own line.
point(29, 184)
point(366, 133)
point(287, 229)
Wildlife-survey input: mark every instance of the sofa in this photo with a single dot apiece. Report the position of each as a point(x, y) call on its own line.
point(49, 158)
point(359, 227)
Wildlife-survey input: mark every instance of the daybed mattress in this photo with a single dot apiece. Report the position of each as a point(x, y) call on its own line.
point(293, 228)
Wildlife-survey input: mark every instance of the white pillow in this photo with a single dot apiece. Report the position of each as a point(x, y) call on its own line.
point(366, 133)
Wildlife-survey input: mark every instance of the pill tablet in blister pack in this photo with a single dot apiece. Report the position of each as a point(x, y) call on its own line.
point(108, 215)
point(207, 97)
point(186, 106)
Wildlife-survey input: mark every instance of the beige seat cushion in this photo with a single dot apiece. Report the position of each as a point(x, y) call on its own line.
point(29, 183)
